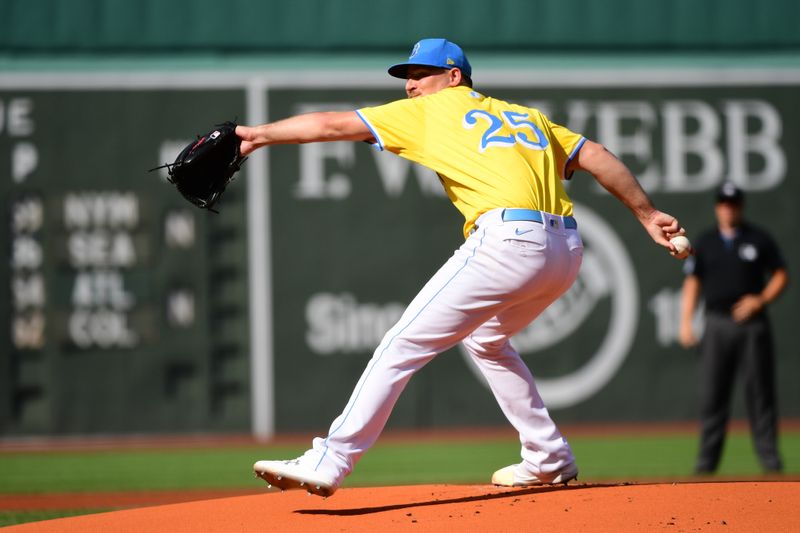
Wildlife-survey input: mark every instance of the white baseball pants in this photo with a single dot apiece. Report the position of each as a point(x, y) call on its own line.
point(502, 277)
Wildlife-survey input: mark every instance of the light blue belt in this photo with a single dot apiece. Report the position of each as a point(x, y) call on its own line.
point(531, 215)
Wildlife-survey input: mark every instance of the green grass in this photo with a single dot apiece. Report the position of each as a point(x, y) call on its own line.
point(130, 470)
point(391, 463)
point(601, 458)
point(10, 518)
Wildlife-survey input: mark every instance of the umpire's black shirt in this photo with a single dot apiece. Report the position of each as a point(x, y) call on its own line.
point(729, 269)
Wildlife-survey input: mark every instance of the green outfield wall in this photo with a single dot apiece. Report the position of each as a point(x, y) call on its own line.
point(126, 310)
point(180, 26)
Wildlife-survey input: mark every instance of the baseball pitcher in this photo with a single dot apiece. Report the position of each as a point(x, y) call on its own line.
point(502, 166)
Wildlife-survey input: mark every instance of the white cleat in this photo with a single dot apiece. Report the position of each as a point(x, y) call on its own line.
point(511, 477)
point(288, 475)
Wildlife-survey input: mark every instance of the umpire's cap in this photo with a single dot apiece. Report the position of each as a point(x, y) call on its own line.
point(729, 193)
point(439, 53)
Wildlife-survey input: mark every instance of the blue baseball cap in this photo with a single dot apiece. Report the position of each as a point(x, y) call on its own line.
point(439, 53)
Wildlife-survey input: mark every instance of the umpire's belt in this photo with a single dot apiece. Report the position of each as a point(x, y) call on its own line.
point(532, 215)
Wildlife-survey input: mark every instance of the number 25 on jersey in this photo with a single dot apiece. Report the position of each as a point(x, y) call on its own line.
point(515, 121)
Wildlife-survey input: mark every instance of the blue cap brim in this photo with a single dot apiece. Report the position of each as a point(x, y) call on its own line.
point(400, 70)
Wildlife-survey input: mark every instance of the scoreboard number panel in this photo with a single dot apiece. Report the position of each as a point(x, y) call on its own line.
point(110, 323)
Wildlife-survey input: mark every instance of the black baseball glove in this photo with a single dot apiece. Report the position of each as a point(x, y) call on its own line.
point(205, 167)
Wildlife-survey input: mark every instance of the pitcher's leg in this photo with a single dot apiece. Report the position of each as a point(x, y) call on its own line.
point(544, 449)
point(545, 452)
point(448, 308)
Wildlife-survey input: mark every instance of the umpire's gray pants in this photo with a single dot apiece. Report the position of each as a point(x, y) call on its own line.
point(726, 347)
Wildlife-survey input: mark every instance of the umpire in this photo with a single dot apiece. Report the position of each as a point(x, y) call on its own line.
point(738, 269)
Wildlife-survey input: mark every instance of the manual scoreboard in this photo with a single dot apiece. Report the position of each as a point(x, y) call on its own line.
point(123, 307)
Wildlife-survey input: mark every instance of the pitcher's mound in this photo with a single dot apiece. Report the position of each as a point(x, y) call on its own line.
point(728, 506)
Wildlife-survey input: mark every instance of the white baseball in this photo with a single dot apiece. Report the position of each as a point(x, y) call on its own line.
point(682, 246)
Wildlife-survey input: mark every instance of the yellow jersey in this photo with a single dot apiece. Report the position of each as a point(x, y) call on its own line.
point(488, 153)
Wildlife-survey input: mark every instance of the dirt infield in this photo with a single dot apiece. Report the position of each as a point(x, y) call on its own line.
point(763, 506)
